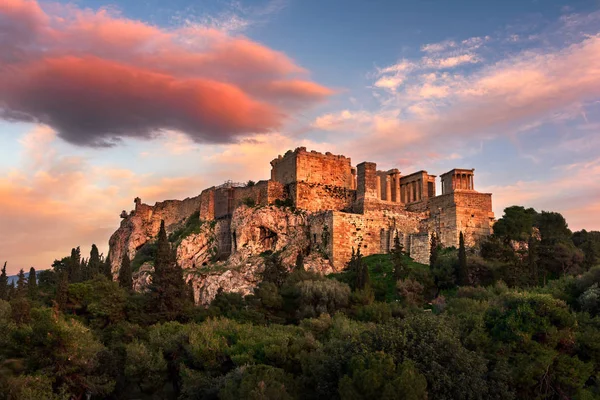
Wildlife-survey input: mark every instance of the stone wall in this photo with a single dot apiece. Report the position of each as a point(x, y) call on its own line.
point(257, 194)
point(372, 232)
point(224, 201)
point(283, 169)
point(312, 167)
point(207, 204)
point(419, 247)
point(316, 197)
point(469, 212)
point(321, 233)
point(143, 225)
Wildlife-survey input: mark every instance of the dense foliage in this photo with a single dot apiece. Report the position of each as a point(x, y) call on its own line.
point(516, 317)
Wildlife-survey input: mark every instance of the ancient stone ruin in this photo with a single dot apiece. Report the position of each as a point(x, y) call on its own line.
point(332, 207)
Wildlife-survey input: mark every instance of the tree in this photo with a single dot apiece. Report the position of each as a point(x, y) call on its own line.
point(532, 259)
point(516, 223)
point(463, 272)
point(362, 278)
point(434, 249)
point(107, 268)
point(168, 288)
point(62, 290)
point(400, 271)
point(125, 273)
point(3, 284)
point(94, 264)
point(553, 227)
point(74, 265)
point(299, 262)
point(274, 271)
point(21, 283)
point(32, 286)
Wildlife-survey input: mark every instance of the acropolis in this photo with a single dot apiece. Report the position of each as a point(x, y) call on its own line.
point(347, 207)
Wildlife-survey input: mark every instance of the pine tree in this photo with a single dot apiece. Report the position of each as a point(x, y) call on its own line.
point(168, 289)
point(532, 259)
point(21, 284)
point(94, 264)
point(32, 287)
point(463, 272)
point(125, 273)
point(3, 284)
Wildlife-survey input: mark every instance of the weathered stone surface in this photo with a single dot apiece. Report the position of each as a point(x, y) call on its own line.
point(336, 208)
point(143, 225)
point(256, 230)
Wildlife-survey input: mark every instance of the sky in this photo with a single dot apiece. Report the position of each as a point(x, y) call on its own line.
point(104, 101)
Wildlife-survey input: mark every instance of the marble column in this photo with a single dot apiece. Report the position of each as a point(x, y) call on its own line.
point(397, 188)
point(388, 188)
point(378, 180)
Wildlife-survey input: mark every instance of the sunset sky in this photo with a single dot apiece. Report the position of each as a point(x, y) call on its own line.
point(101, 102)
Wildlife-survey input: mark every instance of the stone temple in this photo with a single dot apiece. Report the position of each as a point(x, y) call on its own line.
point(349, 206)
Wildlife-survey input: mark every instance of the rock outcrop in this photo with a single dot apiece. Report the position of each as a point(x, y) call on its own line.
point(142, 225)
point(227, 254)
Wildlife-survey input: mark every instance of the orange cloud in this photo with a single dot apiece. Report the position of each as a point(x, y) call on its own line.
point(96, 77)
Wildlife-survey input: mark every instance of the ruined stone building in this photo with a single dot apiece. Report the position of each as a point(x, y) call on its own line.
point(316, 204)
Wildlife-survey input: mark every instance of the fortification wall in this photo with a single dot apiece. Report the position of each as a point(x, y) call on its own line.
point(143, 225)
point(257, 193)
point(312, 167)
point(315, 197)
point(321, 233)
point(469, 212)
point(419, 247)
point(372, 232)
point(207, 204)
point(283, 169)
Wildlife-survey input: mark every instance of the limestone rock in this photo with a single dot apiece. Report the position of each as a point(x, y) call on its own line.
point(275, 229)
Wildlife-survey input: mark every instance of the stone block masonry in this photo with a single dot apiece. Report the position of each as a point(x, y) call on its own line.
point(346, 207)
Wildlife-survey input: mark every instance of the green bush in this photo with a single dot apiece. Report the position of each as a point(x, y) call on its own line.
point(192, 226)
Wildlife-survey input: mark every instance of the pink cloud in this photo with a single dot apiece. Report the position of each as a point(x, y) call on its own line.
point(96, 77)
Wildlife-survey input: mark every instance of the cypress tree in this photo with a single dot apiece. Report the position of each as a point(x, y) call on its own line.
point(107, 268)
point(84, 273)
point(11, 291)
point(398, 259)
point(74, 265)
point(363, 278)
point(190, 290)
point(433, 249)
point(3, 284)
point(94, 264)
point(32, 287)
point(21, 284)
point(463, 273)
point(62, 290)
point(168, 286)
point(299, 262)
point(125, 273)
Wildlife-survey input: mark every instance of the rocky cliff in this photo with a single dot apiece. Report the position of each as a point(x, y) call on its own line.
point(227, 254)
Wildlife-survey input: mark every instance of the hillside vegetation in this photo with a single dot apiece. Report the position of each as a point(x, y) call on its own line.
point(517, 317)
